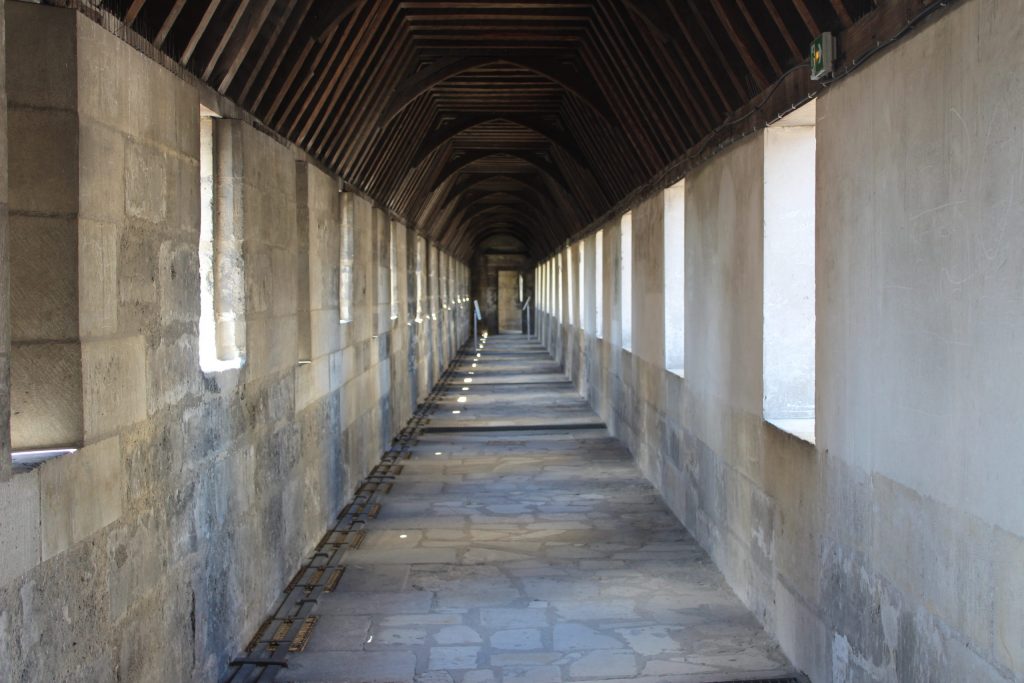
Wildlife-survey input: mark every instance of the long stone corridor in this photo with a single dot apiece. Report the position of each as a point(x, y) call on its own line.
point(521, 545)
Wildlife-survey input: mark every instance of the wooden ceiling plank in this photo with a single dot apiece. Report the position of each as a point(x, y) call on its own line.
point(133, 11)
point(168, 24)
point(376, 44)
point(465, 123)
point(329, 97)
point(336, 13)
point(759, 36)
point(286, 47)
point(329, 51)
point(773, 11)
point(290, 78)
point(844, 16)
point(200, 29)
point(253, 30)
point(641, 101)
point(675, 102)
point(243, 5)
point(598, 59)
point(740, 45)
point(268, 48)
point(742, 90)
point(805, 14)
point(425, 79)
point(531, 118)
point(683, 88)
point(698, 54)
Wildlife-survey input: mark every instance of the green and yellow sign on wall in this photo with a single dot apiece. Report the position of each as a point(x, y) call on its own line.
point(823, 56)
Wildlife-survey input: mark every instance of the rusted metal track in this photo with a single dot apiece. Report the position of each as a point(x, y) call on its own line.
point(291, 624)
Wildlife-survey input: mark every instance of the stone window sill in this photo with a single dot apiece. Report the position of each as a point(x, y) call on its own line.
point(26, 461)
point(802, 429)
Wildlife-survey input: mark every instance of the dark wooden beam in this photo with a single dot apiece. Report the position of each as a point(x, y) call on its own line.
point(720, 61)
point(426, 78)
point(741, 46)
point(168, 24)
point(805, 14)
point(286, 47)
point(197, 34)
point(759, 37)
point(841, 12)
point(465, 123)
point(241, 51)
point(225, 37)
point(327, 16)
point(133, 11)
point(794, 50)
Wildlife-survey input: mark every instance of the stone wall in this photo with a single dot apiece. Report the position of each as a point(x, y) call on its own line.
point(143, 556)
point(892, 549)
point(5, 297)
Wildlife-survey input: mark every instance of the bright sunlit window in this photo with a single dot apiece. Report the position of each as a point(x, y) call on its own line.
point(626, 280)
point(675, 276)
point(789, 319)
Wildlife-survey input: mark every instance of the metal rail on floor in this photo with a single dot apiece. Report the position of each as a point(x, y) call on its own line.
point(291, 624)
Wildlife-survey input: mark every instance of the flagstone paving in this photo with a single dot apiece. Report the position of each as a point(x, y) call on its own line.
point(527, 552)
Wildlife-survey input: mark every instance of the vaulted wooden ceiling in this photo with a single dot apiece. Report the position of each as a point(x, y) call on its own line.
point(472, 119)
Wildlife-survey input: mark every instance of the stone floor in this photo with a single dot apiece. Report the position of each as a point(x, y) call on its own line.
point(528, 549)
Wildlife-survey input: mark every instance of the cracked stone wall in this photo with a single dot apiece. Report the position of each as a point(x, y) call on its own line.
point(142, 557)
point(891, 550)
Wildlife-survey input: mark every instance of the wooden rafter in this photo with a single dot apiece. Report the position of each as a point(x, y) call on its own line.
point(479, 117)
point(200, 29)
point(253, 29)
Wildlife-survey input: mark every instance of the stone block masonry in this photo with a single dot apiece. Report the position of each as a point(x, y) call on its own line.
point(135, 558)
point(881, 551)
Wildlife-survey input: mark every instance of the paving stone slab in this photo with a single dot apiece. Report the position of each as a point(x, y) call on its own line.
point(528, 556)
point(350, 667)
point(407, 602)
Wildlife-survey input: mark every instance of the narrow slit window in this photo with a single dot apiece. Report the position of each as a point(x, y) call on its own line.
point(789, 317)
point(626, 280)
point(581, 256)
point(434, 275)
point(221, 297)
point(393, 267)
point(570, 260)
point(675, 277)
point(347, 255)
point(599, 284)
point(559, 280)
point(421, 253)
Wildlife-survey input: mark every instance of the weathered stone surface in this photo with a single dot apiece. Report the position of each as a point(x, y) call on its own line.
point(453, 657)
point(407, 602)
point(352, 667)
point(808, 534)
point(79, 495)
point(19, 526)
point(606, 582)
point(456, 635)
point(516, 639)
point(145, 538)
point(114, 385)
point(604, 664)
